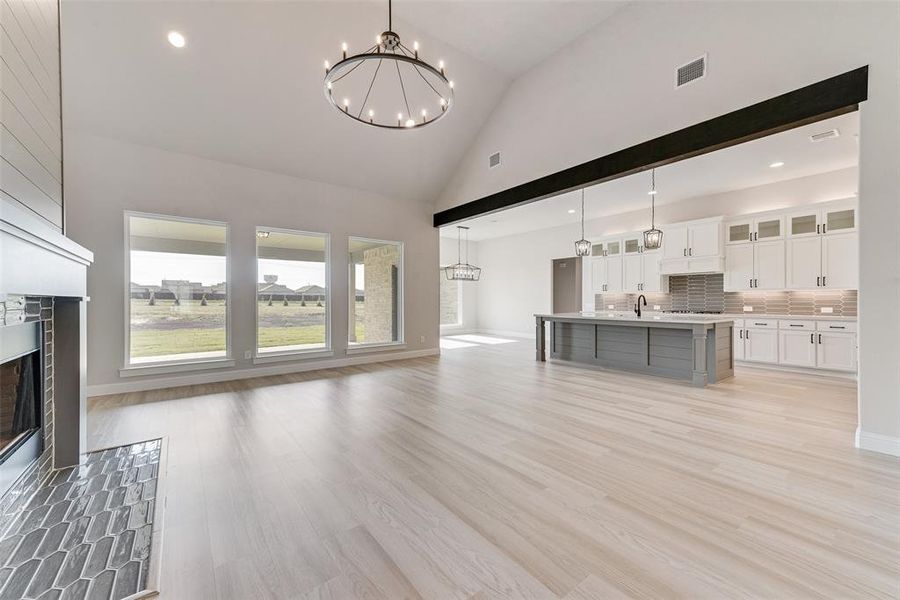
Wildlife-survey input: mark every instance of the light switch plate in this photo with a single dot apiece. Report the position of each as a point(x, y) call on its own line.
point(748, 309)
point(611, 307)
point(827, 309)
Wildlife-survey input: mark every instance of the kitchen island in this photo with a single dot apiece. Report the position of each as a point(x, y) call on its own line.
point(696, 348)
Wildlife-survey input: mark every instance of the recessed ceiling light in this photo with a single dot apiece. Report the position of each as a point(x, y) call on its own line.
point(777, 164)
point(571, 211)
point(176, 39)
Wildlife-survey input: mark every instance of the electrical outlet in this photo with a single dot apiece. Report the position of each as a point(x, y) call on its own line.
point(656, 307)
point(827, 309)
point(247, 355)
point(748, 309)
point(611, 307)
point(421, 339)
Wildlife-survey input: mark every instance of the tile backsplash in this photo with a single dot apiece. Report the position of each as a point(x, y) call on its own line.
point(705, 293)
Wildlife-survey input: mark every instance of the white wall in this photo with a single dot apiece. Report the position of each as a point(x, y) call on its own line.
point(517, 277)
point(106, 177)
point(448, 256)
point(613, 88)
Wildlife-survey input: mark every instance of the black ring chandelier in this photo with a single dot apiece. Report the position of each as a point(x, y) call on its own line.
point(431, 91)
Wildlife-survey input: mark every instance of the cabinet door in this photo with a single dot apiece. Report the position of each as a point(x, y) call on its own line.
point(836, 351)
point(768, 228)
point(738, 267)
point(598, 249)
point(797, 348)
point(598, 274)
point(632, 245)
point(761, 345)
point(840, 261)
point(613, 248)
point(632, 272)
point(840, 218)
point(804, 263)
point(705, 239)
point(587, 284)
point(768, 265)
point(738, 232)
point(738, 342)
point(675, 241)
point(803, 223)
point(652, 278)
point(613, 273)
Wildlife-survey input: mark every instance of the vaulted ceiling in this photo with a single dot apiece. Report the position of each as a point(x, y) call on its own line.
point(247, 87)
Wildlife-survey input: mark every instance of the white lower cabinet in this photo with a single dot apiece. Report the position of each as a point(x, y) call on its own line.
point(761, 345)
point(836, 351)
point(797, 348)
point(738, 340)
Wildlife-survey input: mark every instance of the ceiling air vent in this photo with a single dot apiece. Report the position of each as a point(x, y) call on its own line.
point(692, 71)
point(825, 135)
point(494, 160)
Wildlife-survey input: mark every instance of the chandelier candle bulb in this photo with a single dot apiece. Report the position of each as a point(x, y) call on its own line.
point(416, 49)
point(327, 67)
point(371, 115)
point(344, 49)
point(410, 123)
point(346, 104)
point(441, 66)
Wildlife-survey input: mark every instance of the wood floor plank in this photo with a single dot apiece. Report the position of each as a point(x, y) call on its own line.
point(484, 474)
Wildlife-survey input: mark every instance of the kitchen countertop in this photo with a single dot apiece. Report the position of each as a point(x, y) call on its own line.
point(755, 315)
point(648, 317)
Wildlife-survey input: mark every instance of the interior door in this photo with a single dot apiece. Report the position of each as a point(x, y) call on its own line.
point(566, 285)
point(738, 267)
point(768, 265)
point(840, 261)
point(704, 239)
point(632, 276)
point(675, 241)
point(804, 263)
point(836, 351)
point(797, 348)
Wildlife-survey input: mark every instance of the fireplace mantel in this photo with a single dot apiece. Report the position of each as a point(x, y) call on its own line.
point(41, 267)
point(35, 259)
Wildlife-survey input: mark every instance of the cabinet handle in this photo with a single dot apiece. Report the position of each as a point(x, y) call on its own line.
point(818, 227)
point(761, 324)
point(823, 281)
point(690, 251)
point(751, 282)
point(796, 325)
point(742, 334)
point(820, 338)
point(756, 283)
point(747, 332)
point(685, 251)
point(811, 338)
point(824, 227)
point(836, 327)
point(819, 281)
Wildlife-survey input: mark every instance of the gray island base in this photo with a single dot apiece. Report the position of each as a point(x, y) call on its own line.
point(689, 347)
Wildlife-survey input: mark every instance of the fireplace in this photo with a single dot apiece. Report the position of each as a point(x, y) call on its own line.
point(21, 399)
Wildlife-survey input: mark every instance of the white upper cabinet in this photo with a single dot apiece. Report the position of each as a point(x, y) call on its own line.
point(633, 272)
point(613, 273)
point(675, 241)
point(598, 275)
point(840, 261)
point(804, 263)
point(653, 281)
point(705, 239)
point(808, 248)
point(738, 267)
point(693, 247)
point(768, 265)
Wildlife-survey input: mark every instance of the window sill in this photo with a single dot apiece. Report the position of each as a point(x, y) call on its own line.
point(276, 357)
point(158, 369)
point(364, 348)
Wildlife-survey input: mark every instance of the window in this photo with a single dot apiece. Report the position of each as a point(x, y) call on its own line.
point(178, 289)
point(292, 295)
point(376, 285)
point(451, 301)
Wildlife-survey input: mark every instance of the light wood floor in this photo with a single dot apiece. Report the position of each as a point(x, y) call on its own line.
point(483, 474)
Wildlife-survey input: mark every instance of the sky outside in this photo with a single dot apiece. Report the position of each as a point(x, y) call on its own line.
point(150, 268)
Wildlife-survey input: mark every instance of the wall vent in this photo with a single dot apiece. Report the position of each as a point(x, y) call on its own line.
point(825, 135)
point(494, 160)
point(691, 71)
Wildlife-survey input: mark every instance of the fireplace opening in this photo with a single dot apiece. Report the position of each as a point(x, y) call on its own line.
point(20, 401)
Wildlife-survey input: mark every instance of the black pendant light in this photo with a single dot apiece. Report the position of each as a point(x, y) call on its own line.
point(462, 271)
point(653, 236)
point(582, 246)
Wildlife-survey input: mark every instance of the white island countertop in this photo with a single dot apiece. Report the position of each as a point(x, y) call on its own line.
point(648, 317)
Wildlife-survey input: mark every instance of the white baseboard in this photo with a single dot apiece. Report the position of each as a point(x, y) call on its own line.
point(789, 369)
point(504, 333)
point(158, 383)
point(877, 442)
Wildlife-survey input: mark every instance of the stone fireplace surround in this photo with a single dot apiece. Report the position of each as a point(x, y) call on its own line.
point(43, 277)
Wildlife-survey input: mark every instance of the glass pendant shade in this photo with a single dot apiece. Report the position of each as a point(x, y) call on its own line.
point(653, 239)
